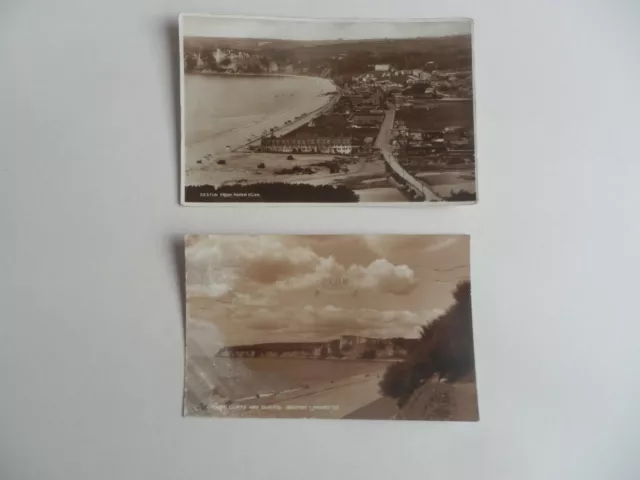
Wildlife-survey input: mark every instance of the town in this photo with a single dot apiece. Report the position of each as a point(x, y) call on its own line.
point(414, 111)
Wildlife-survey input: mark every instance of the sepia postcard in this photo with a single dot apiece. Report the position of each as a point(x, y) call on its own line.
point(310, 111)
point(329, 327)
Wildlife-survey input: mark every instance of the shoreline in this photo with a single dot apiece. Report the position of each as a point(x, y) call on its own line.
point(246, 74)
point(218, 146)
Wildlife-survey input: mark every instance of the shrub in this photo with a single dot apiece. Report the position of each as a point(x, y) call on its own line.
point(261, 165)
point(445, 347)
point(290, 157)
point(221, 162)
point(399, 381)
point(461, 196)
point(368, 354)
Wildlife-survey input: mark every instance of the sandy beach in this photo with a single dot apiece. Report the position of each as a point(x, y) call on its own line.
point(289, 388)
point(216, 127)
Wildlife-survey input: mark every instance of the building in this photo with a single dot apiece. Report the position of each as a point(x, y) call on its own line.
point(374, 99)
point(367, 119)
point(336, 121)
point(342, 145)
point(382, 67)
point(452, 134)
point(353, 99)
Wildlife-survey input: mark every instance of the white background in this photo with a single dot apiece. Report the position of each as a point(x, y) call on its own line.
point(91, 316)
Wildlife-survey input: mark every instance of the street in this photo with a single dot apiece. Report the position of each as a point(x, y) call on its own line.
point(383, 142)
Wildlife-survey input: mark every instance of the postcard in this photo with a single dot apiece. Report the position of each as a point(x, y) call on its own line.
point(329, 327)
point(363, 112)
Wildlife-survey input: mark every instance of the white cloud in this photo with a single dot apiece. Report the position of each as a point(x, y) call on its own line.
point(383, 276)
point(380, 275)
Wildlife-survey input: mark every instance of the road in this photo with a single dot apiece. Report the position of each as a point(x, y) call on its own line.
point(383, 142)
point(384, 408)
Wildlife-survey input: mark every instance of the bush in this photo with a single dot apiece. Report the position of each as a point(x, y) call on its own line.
point(445, 347)
point(368, 354)
point(461, 196)
point(221, 162)
point(447, 343)
point(290, 157)
point(399, 381)
point(261, 165)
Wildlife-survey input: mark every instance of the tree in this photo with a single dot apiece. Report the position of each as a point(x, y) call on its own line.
point(399, 381)
point(445, 347)
point(461, 196)
point(209, 59)
point(190, 62)
point(369, 354)
point(324, 351)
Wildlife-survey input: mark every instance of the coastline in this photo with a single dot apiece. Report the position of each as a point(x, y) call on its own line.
point(305, 398)
point(246, 74)
point(200, 156)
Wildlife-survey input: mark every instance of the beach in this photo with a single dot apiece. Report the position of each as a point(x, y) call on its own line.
point(291, 388)
point(224, 112)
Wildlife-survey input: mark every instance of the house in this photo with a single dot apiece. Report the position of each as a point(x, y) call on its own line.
point(382, 67)
point(308, 144)
point(452, 134)
point(374, 99)
point(367, 119)
point(354, 99)
point(335, 121)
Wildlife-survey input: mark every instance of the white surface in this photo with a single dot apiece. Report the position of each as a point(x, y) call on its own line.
point(91, 319)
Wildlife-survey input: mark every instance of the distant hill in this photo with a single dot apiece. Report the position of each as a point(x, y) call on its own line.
point(347, 347)
point(339, 56)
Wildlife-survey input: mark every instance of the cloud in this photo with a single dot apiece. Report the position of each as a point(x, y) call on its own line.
point(331, 322)
point(246, 325)
point(219, 265)
point(216, 264)
point(380, 275)
point(383, 276)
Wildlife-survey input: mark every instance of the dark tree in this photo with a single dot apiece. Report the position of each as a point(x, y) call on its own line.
point(190, 62)
point(461, 196)
point(445, 348)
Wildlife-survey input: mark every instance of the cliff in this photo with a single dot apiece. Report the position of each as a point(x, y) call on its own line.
point(346, 347)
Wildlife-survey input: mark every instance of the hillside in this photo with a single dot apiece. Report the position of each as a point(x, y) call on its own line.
point(442, 401)
point(444, 351)
point(345, 347)
point(339, 57)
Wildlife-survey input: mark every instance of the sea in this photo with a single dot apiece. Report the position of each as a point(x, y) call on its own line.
point(239, 378)
point(221, 105)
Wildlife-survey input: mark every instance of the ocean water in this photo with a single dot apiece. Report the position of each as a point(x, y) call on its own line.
point(220, 105)
point(242, 377)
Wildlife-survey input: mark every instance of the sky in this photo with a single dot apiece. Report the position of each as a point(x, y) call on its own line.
point(306, 29)
point(278, 288)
